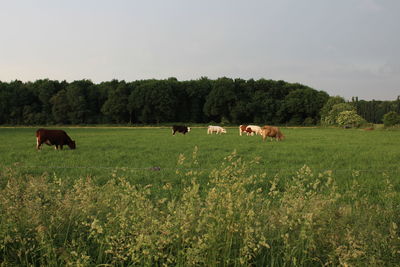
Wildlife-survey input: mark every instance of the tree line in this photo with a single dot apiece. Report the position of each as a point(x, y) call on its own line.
point(223, 100)
point(374, 110)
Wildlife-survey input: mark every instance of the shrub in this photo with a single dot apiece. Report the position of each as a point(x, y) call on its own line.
point(391, 118)
point(331, 118)
point(309, 121)
point(349, 117)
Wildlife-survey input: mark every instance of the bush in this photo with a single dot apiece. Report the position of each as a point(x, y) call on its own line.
point(351, 118)
point(331, 118)
point(391, 118)
point(309, 121)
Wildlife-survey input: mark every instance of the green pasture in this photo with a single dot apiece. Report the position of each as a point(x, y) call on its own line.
point(150, 155)
point(142, 197)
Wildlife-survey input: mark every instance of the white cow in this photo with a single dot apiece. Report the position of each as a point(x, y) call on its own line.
point(254, 129)
point(217, 129)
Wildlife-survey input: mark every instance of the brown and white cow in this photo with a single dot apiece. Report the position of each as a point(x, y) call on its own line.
point(242, 129)
point(180, 129)
point(254, 129)
point(57, 138)
point(273, 132)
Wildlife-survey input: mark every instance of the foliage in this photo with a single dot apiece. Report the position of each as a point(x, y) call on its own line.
point(158, 101)
point(220, 100)
point(350, 118)
point(237, 219)
point(117, 102)
point(166, 101)
point(374, 110)
point(60, 107)
point(333, 100)
point(391, 118)
point(303, 103)
point(331, 118)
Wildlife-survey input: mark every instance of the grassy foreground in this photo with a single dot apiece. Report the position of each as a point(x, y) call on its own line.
point(144, 197)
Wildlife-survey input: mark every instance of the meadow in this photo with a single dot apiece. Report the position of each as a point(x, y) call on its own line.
point(140, 196)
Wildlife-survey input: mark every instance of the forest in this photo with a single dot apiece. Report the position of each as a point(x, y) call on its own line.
point(224, 100)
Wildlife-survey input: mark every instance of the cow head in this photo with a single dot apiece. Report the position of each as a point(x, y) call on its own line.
point(188, 129)
point(72, 144)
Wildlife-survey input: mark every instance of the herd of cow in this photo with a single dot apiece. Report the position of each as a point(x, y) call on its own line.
point(59, 138)
point(265, 131)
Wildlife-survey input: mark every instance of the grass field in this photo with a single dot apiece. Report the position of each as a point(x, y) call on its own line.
point(142, 196)
point(134, 152)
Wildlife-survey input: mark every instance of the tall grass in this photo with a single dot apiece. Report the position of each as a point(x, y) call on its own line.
point(237, 219)
point(322, 197)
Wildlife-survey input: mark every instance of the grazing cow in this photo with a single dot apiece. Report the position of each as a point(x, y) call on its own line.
point(271, 131)
point(218, 129)
point(249, 132)
point(242, 129)
point(180, 129)
point(58, 138)
point(254, 129)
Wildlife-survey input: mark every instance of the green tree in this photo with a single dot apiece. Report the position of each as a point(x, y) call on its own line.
point(60, 107)
point(45, 90)
point(221, 99)
point(333, 100)
point(304, 103)
point(19, 98)
point(333, 114)
point(5, 99)
point(197, 92)
point(391, 118)
point(76, 97)
point(241, 109)
point(116, 105)
point(154, 101)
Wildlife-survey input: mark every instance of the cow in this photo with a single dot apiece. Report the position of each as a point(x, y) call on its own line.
point(180, 129)
point(242, 129)
point(271, 131)
point(58, 138)
point(217, 129)
point(254, 129)
point(249, 132)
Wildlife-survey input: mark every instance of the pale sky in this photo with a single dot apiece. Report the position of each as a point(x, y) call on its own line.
point(344, 47)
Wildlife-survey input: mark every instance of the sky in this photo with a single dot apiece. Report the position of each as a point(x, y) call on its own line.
point(343, 47)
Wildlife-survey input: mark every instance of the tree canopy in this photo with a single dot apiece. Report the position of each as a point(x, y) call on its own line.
point(235, 101)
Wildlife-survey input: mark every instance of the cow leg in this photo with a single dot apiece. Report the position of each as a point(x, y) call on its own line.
point(38, 143)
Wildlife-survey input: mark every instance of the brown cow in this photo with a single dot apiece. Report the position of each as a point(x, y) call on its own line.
point(53, 137)
point(271, 131)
